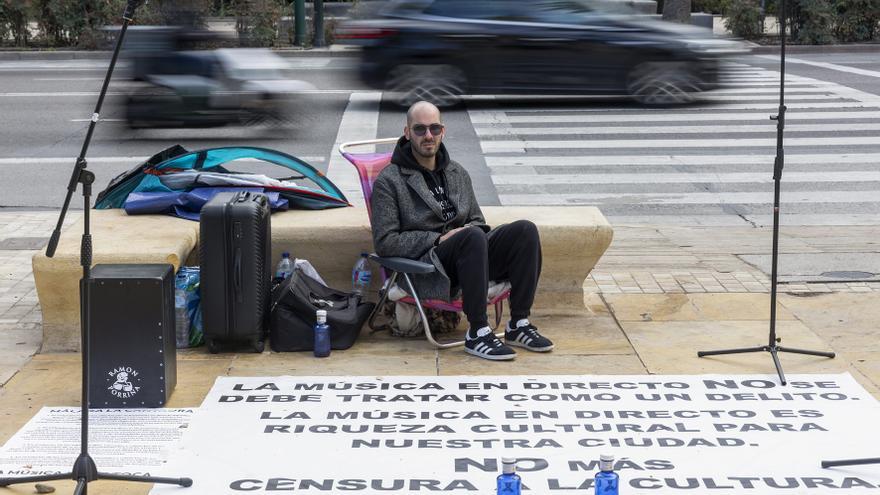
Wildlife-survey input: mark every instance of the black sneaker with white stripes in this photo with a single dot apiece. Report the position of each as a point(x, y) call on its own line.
point(488, 346)
point(527, 337)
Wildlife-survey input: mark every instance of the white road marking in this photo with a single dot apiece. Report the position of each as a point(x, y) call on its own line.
point(789, 197)
point(677, 178)
point(133, 160)
point(360, 122)
point(826, 65)
point(522, 145)
point(504, 130)
point(499, 117)
point(678, 160)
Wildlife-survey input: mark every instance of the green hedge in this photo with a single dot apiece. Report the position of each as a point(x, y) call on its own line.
point(79, 23)
point(744, 19)
point(14, 17)
point(856, 20)
point(809, 21)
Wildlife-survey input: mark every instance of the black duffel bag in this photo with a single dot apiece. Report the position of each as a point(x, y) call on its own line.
point(292, 319)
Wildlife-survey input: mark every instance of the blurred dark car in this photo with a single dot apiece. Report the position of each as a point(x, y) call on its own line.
point(438, 50)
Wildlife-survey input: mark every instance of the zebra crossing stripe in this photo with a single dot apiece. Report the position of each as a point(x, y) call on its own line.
point(478, 117)
point(677, 178)
point(696, 129)
point(788, 97)
point(687, 160)
point(774, 84)
point(521, 146)
point(816, 88)
point(734, 198)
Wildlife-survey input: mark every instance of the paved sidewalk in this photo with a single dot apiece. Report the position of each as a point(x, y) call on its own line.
point(718, 259)
point(22, 233)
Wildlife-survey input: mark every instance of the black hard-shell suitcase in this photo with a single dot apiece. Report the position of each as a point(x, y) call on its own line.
point(235, 258)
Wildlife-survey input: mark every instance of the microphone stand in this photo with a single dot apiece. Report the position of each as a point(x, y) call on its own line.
point(851, 462)
point(773, 346)
point(84, 469)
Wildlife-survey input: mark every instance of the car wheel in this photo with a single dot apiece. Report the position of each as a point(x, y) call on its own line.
point(663, 83)
point(441, 85)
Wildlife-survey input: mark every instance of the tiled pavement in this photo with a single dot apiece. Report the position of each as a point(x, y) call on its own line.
point(702, 282)
point(22, 233)
point(675, 259)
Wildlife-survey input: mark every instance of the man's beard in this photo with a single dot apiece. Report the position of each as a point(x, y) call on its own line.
point(427, 154)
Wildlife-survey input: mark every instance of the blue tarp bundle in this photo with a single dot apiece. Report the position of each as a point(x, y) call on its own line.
point(142, 190)
point(188, 204)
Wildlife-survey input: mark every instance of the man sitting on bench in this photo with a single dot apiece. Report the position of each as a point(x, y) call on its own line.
point(424, 208)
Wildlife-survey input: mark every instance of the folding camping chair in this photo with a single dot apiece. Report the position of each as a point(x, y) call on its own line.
point(368, 165)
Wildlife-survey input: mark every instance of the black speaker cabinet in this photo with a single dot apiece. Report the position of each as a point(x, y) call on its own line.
point(132, 347)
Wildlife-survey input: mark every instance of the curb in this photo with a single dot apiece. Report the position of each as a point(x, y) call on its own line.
point(353, 51)
point(853, 48)
point(331, 51)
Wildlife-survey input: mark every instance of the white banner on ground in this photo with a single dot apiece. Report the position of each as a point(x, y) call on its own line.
point(717, 434)
point(121, 441)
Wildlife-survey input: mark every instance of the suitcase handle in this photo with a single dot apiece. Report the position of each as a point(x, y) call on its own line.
point(236, 275)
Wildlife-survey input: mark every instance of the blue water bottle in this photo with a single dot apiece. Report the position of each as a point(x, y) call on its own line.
point(606, 479)
point(508, 482)
point(322, 334)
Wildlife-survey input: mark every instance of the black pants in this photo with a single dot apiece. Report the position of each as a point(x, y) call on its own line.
point(471, 258)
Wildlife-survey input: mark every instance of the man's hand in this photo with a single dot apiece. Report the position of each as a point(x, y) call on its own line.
point(450, 234)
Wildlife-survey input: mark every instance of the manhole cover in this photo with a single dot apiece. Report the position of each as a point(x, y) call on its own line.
point(23, 243)
point(848, 275)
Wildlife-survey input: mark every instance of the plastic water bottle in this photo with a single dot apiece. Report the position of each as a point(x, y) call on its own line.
point(187, 332)
point(322, 334)
point(361, 276)
point(285, 267)
point(181, 318)
point(508, 482)
point(606, 479)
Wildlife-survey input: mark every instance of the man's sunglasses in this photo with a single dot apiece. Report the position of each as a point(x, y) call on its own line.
point(420, 129)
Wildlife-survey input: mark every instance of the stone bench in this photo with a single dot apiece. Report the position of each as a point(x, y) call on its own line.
point(573, 239)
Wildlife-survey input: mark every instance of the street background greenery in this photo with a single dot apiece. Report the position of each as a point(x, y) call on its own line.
point(82, 23)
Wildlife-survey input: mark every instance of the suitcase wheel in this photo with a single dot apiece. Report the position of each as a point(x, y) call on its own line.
point(258, 345)
point(213, 346)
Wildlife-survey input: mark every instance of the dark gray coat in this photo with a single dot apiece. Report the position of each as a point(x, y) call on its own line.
point(407, 220)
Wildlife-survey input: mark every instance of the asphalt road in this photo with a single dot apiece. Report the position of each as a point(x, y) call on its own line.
point(709, 163)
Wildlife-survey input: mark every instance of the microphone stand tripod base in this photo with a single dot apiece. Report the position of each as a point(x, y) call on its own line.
point(773, 350)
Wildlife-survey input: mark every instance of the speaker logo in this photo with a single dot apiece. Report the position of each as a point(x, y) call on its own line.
point(124, 382)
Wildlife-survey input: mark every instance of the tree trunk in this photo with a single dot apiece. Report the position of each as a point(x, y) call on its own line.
point(677, 11)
